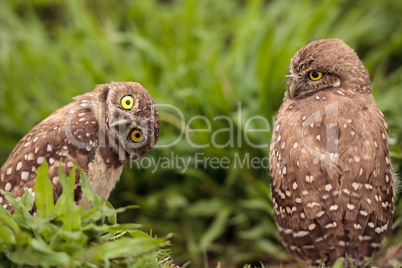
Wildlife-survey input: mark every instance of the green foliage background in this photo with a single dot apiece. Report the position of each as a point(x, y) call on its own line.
point(204, 57)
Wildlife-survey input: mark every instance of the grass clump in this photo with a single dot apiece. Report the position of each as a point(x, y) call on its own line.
point(63, 234)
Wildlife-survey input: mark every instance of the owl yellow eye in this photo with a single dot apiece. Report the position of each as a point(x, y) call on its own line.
point(127, 102)
point(136, 136)
point(315, 75)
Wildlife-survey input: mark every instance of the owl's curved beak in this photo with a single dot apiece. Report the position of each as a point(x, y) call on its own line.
point(292, 90)
point(119, 122)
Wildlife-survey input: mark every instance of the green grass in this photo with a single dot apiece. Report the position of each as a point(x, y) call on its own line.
point(65, 235)
point(203, 57)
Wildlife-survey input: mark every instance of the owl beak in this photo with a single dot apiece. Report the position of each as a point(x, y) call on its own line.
point(119, 122)
point(292, 90)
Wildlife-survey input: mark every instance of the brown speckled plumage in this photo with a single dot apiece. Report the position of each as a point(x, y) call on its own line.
point(83, 129)
point(332, 185)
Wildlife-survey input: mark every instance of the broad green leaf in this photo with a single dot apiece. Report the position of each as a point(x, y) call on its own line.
point(44, 193)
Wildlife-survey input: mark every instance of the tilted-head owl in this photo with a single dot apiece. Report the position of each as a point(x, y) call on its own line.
point(102, 131)
point(331, 173)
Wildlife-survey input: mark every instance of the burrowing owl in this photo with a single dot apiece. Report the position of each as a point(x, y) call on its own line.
point(102, 131)
point(331, 173)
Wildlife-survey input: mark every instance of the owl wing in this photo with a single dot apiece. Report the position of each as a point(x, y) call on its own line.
point(366, 182)
point(71, 130)
point(303, 174)
point(323, 172)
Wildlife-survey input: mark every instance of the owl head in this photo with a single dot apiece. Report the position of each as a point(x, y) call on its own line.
point(326, 64)
point(128, 120)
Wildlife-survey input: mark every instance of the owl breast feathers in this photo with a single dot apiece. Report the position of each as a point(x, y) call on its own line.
point(102, 130)
point(331, 174)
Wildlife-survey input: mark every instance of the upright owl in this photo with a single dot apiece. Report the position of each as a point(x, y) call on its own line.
point(102, 131)
point(331, 173)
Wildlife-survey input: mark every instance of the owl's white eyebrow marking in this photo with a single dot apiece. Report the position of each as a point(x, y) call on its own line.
point(337, 83)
